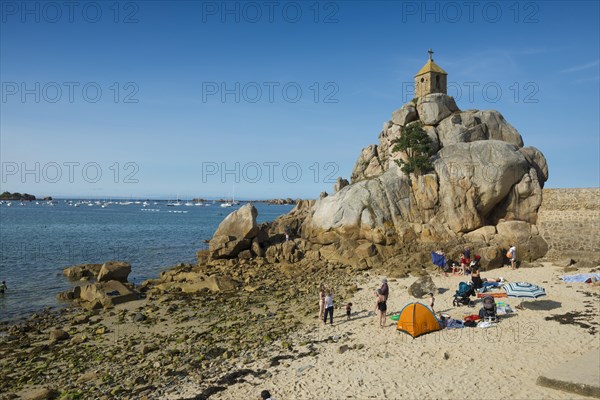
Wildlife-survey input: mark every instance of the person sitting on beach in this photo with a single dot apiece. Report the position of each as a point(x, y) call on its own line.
point(3, 287)
point(266, 395)
point(348, 310)
point(328, 308)
point(381, 306)
point(481, 284)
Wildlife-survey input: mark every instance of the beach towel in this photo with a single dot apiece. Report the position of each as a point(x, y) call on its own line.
point(454, 324)
point(580, 278)
point(495, 295)
point(438, 259)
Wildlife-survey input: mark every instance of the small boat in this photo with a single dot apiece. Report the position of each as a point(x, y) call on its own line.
point(227, 204)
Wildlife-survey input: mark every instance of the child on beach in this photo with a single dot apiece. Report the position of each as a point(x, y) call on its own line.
point(431, 301)
point(348, 310)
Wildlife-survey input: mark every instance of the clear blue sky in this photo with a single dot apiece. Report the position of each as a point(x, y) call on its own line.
point(352, 62)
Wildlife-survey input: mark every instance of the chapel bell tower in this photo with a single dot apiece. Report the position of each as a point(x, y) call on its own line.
point(430, 79)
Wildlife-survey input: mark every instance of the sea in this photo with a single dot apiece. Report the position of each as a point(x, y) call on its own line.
point(39, 239)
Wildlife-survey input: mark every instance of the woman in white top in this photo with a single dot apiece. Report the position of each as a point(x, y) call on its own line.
point(328, 308)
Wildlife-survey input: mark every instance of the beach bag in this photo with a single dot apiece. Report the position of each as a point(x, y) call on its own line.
point(508, 254)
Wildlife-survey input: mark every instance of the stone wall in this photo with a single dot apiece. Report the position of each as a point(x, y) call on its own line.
point(569, 220)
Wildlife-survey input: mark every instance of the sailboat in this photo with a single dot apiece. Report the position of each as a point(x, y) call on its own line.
point(233, 202)
point(176, 203)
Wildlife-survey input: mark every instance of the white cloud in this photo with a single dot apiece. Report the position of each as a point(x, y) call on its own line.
point(581, 67)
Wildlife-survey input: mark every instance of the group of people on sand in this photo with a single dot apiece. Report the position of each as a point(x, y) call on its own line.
point(467, 265)
point(326, 305)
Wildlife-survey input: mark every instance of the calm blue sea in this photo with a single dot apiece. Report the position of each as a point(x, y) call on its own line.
point(38, 241)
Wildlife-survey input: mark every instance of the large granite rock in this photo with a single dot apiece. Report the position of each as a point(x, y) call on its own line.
point(106, 294)
point(235, 233)
point(407, 113)
point(472, 125)
point(482, 176)
point(435, 107)
point(474, 178)
point(114, 271)
point(422, 286)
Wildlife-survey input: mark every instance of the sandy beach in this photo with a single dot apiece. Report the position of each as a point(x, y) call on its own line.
point(357, 359)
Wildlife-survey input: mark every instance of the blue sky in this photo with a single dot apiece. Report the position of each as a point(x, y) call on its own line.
point(158, 99)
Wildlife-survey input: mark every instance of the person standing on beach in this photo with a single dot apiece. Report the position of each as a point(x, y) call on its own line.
point(431, 301)
point(512, 252)
point(381, 307)
point(328, 308)
point(385, 290)
point(321, 301)
point(465, 260)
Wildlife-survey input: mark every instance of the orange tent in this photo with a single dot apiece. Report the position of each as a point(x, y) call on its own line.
point(416, 320)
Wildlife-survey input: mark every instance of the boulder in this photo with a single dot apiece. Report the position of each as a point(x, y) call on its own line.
point(405, 114)
point(530, 245)
point(434, 107)
point(87, 271)
point(58, 334)
point(483, 234)
point(491, 257)
point(235, 233)
point(422, 286)
point(114, 271)
point(474, 178)
point(106, 294)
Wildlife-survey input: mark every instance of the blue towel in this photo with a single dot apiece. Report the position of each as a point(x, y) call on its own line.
point(579, 277)
point(438, 259)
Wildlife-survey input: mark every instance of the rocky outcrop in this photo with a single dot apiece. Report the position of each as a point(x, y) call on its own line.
point(482, 181)
point(482, 176)
point(110, 289)
point(235, 233)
